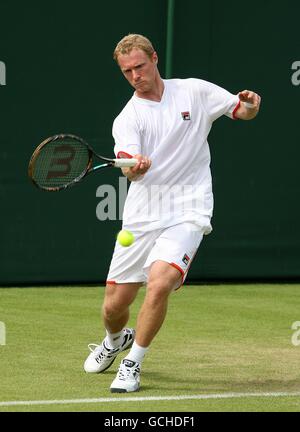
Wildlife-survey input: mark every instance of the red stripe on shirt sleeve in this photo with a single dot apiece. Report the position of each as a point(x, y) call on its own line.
point(122, 154)
point(235, 110)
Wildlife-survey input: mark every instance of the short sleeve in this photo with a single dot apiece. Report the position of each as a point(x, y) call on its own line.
point(217, 101)
point(126, 135)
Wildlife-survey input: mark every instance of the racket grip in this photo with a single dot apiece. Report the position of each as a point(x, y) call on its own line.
point(124, 163)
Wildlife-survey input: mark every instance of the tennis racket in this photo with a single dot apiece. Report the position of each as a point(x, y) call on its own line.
point(64, 160)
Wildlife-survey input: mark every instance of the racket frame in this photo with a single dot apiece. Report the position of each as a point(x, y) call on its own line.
point(108, 162)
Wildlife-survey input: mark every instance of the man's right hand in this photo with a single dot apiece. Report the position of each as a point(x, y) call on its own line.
point(139, 169)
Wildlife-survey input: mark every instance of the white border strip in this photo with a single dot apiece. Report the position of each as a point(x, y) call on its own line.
point(149, 398)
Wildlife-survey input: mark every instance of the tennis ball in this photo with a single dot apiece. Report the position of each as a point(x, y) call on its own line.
point(125, 238)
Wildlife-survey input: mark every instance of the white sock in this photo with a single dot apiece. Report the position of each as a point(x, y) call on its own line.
point(137, 353)
point(113, 340)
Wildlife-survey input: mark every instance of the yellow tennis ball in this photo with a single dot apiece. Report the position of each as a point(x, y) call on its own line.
point(125, 238)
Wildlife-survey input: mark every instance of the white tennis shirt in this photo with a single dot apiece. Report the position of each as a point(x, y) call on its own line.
point(173, 134)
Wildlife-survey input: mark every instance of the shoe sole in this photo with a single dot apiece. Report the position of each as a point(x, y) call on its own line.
point(121, 390)
point(125, 349)
point(116, 390)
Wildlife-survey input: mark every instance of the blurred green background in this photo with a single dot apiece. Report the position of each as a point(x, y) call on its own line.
point(60, 77)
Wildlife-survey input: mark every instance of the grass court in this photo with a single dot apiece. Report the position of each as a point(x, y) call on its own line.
point(222, 348)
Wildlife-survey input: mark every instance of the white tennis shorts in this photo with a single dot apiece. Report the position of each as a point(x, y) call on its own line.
point(176, 245)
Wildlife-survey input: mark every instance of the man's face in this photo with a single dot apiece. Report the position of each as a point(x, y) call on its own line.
point(139, 69)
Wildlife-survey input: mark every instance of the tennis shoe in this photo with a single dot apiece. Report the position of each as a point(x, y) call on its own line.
point(128, 377)
point(102, 357)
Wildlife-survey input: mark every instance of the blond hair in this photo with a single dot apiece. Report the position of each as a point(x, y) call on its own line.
point(131, 41)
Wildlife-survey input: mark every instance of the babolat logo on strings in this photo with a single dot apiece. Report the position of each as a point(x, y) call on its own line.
point(185, 259)
point(186, 115)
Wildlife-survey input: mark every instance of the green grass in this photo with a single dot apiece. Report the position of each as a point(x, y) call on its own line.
point(216, 339)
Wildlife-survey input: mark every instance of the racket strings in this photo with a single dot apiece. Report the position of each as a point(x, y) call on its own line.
point(60, 162)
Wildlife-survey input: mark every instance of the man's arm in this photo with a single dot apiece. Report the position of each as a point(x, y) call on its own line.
point(140, 168)
point(249, 105)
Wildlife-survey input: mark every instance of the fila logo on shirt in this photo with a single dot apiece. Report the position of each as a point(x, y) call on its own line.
point(186, 115)
point(185, 259)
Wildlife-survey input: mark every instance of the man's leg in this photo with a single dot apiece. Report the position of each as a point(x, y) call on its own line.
point(163, 279)
point(115, 309)
point(117, 300)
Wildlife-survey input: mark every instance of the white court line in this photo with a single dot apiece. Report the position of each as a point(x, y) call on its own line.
point(149, 398)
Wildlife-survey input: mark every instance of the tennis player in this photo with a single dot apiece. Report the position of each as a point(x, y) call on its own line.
point(169, 205)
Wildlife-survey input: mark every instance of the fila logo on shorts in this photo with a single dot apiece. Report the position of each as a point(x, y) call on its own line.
point(185, 259)
point(186, 115)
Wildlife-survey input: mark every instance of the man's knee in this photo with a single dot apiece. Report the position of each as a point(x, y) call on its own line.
point(111, 311)
point(118, 298)
point(158, 291)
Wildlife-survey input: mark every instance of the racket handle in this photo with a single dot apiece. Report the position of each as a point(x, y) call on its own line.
point(124, 163)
